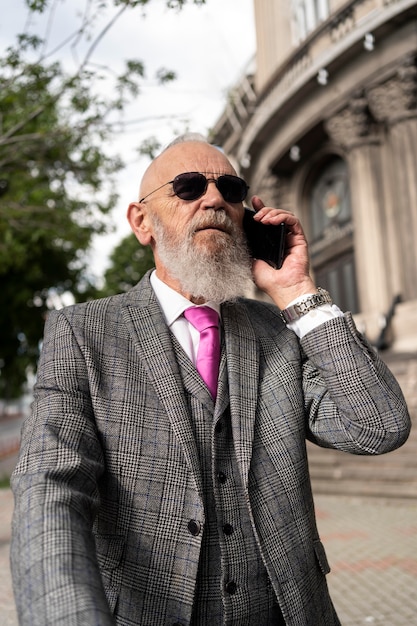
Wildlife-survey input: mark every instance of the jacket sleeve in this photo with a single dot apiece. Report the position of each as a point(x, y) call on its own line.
point(353, 401)
point(55, 573)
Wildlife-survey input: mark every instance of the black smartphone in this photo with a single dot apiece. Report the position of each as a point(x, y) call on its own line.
point(265, 241)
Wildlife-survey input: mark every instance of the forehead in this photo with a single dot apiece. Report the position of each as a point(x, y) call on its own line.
point(192, 157)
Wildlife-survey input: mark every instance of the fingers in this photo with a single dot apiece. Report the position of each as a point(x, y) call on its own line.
point(257, 203)
point(270, 215)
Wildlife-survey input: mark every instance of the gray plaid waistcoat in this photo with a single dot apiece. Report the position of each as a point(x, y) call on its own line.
point(233, 586)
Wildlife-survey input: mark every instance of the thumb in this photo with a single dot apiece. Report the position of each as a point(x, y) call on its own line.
point(257, 203)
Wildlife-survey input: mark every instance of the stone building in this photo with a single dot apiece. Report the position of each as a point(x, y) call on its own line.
point(326, 126)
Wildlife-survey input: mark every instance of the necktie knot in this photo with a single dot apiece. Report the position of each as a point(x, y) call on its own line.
point(206, 321)
point(202, 317)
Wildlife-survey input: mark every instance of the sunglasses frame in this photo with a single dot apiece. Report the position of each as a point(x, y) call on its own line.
point(244, 185)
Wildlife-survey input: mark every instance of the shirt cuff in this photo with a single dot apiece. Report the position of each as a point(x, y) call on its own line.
point(313, 318)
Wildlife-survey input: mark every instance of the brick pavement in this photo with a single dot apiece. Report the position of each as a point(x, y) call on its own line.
point(7, 611)
point(372, 548)
point(371, 544)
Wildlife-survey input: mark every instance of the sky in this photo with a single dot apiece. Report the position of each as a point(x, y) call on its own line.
point(209, 47)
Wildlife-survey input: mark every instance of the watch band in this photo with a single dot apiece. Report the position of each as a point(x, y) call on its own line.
point(295, 311)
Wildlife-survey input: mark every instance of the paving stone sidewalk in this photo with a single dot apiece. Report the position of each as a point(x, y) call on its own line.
point(372, 549)
point(7, 610)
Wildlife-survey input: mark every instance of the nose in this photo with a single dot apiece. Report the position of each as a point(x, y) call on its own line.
point(212, 198)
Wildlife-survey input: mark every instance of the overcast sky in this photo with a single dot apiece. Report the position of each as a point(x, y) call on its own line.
point(208, 47)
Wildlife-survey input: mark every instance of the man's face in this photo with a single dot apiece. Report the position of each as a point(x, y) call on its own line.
point(199, 246)
point(207, 222)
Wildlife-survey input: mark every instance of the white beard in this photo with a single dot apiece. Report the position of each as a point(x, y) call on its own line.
point(220, 275)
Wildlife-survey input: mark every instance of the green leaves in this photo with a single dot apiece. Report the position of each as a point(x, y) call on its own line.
point(165, 76)
point(179, 4)
point(57, 175)
point(57, 188)
point(37, 6)
point(128, 263)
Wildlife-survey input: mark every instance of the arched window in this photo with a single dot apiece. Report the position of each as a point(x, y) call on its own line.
point(330, 199)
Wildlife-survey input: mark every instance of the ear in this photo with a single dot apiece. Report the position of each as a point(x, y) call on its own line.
point(139, 222)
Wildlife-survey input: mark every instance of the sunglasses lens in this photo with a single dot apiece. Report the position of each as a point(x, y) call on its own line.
point(232, 188)
point(189, 186)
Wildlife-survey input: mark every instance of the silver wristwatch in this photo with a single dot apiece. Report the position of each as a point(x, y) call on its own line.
point(294, 312)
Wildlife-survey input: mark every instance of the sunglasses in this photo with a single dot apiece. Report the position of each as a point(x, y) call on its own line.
point(192, 185)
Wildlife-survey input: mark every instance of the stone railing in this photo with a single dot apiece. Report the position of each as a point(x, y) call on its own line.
point(355, 22)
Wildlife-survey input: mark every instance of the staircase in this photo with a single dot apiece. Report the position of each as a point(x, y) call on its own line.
point(392, 475)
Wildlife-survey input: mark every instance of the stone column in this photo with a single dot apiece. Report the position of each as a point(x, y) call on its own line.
point(352, 129)
point(394, 105)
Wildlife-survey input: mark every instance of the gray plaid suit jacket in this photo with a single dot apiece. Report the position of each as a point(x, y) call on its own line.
point(108, 476)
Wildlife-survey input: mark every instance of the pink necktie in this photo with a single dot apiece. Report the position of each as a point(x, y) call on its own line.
point(206, 321)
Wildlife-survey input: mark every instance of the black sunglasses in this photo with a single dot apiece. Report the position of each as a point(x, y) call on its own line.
point(192, 185)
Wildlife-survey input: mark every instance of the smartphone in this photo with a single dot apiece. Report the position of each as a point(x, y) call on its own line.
point(265, 241)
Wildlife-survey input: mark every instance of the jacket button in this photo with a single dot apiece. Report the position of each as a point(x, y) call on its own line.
point(228, 529)
point(221, 477)
point(231, 587)
point(194, 527)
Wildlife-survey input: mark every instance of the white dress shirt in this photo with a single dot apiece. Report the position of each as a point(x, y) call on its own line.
point(173, 305)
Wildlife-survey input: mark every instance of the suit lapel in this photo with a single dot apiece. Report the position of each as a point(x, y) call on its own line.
point(153, 342)
point(243, 374)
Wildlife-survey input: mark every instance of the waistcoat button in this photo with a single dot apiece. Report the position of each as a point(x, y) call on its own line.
point(194, 527)
point(219, 427)
point(228, 529)
point(221, 477)
point(231, 587)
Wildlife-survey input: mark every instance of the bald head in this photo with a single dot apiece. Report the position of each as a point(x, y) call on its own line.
point(191, 155)
point(198, 242)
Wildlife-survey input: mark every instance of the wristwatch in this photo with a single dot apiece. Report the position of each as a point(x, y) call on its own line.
point(295, 311)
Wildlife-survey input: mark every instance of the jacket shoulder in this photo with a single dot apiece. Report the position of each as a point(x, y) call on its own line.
point(266, 312)
point(102, 307)
point(263, 317)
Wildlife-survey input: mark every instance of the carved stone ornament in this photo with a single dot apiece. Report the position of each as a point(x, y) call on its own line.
point(273, 189)
point(352, 126)
point(396, 99)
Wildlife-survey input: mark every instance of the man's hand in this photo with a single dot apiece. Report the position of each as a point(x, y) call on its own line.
point(293, 279)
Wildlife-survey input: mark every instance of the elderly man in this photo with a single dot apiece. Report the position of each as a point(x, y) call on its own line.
point(151, 491)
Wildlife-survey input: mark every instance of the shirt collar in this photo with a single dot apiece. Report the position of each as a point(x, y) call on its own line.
point(172, 303)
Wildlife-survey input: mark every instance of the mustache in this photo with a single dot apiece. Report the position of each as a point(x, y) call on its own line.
point(213, 219)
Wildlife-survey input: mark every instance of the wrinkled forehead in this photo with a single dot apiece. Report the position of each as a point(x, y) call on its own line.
point(185, 157)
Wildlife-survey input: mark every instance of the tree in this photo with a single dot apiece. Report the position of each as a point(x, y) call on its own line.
point(129, 261)
point(56, 179)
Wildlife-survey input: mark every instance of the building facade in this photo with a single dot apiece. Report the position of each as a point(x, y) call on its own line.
point(326, 126)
